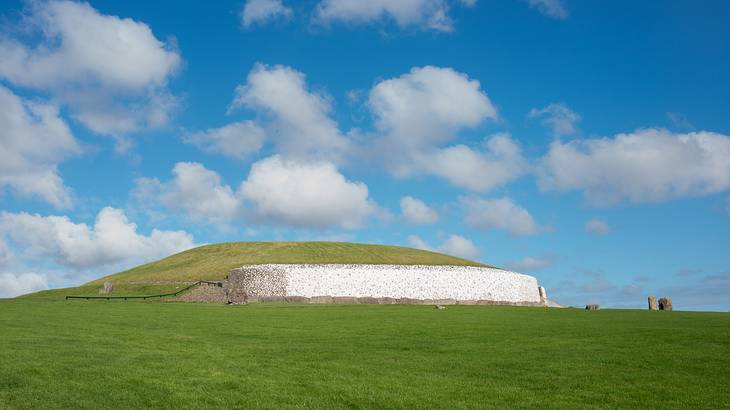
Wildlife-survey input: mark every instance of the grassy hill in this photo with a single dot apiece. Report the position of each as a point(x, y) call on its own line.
point(213, 262)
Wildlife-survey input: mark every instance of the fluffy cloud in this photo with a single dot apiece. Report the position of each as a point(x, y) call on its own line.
point(530, 263)
point(415, 241)
point(453, 245)
point(425, 14)
point(428, 106)
point(597, 227)
point(307, 194)
point(12, 285)
point(6, 256)
point(648, 165)
point(299, 119)
point(558, 117)
point(502, 213)
point(198, 191)
point(459, 246)
point(33, 141)
point(238, 140)
point(499, 161)
point(551, 8)
point(262, 11)
point(112, 71)
point(417, 212)
point(417, 113)
point(112, 239)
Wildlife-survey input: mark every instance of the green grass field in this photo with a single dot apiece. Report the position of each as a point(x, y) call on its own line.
point(213, 262)
point(98, 354)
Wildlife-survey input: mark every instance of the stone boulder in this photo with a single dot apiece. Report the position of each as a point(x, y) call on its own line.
point(665, 303)
point(107, 288)
point(652, 303)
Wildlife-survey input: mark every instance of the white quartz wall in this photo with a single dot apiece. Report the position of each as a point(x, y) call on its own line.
point(406, 281)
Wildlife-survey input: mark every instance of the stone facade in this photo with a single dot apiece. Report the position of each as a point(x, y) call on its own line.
point(205, 292)
point(381, 284)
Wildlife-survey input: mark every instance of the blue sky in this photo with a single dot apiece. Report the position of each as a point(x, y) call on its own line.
point(584, 143)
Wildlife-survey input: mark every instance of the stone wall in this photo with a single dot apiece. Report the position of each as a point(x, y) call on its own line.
point(205, 292)
point(381, 284)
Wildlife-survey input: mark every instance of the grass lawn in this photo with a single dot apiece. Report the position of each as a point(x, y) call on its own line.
point(98, 354)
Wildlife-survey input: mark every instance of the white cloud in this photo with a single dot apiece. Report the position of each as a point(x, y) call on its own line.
point(417, 212)
point(648, 165)
point(453, 245)
point(551, 8)
point(307, 194)
point(300, 125)
point(111, 71)
point(113, 239)
point(530, 263)
point(415, 241)
point(12, 285)
point(425, 14)
point(33, 141)
point(558, 117)
point(278, 190)
point(237, 140)
point(502, 213)
point(6, 255)
point(262, 11)
point(428, 106)
point(198, 191)
point(459, 246)
point(417, 113)
point(597, 227)
point(499, 162)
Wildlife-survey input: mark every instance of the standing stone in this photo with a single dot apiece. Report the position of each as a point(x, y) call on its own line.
point(665, 303)
point(652, 303)
point(107, 289)
point(592, 307)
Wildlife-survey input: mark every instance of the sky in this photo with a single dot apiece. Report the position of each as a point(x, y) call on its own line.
point(586, 143)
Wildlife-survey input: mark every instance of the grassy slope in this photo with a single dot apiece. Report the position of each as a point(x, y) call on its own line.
point(79, 354)
point(213, 262)
point(123, 289)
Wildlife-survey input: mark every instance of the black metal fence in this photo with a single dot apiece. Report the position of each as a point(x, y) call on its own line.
point(160, 296)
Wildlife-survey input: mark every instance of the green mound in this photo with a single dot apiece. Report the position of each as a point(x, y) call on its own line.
point(213, 262)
